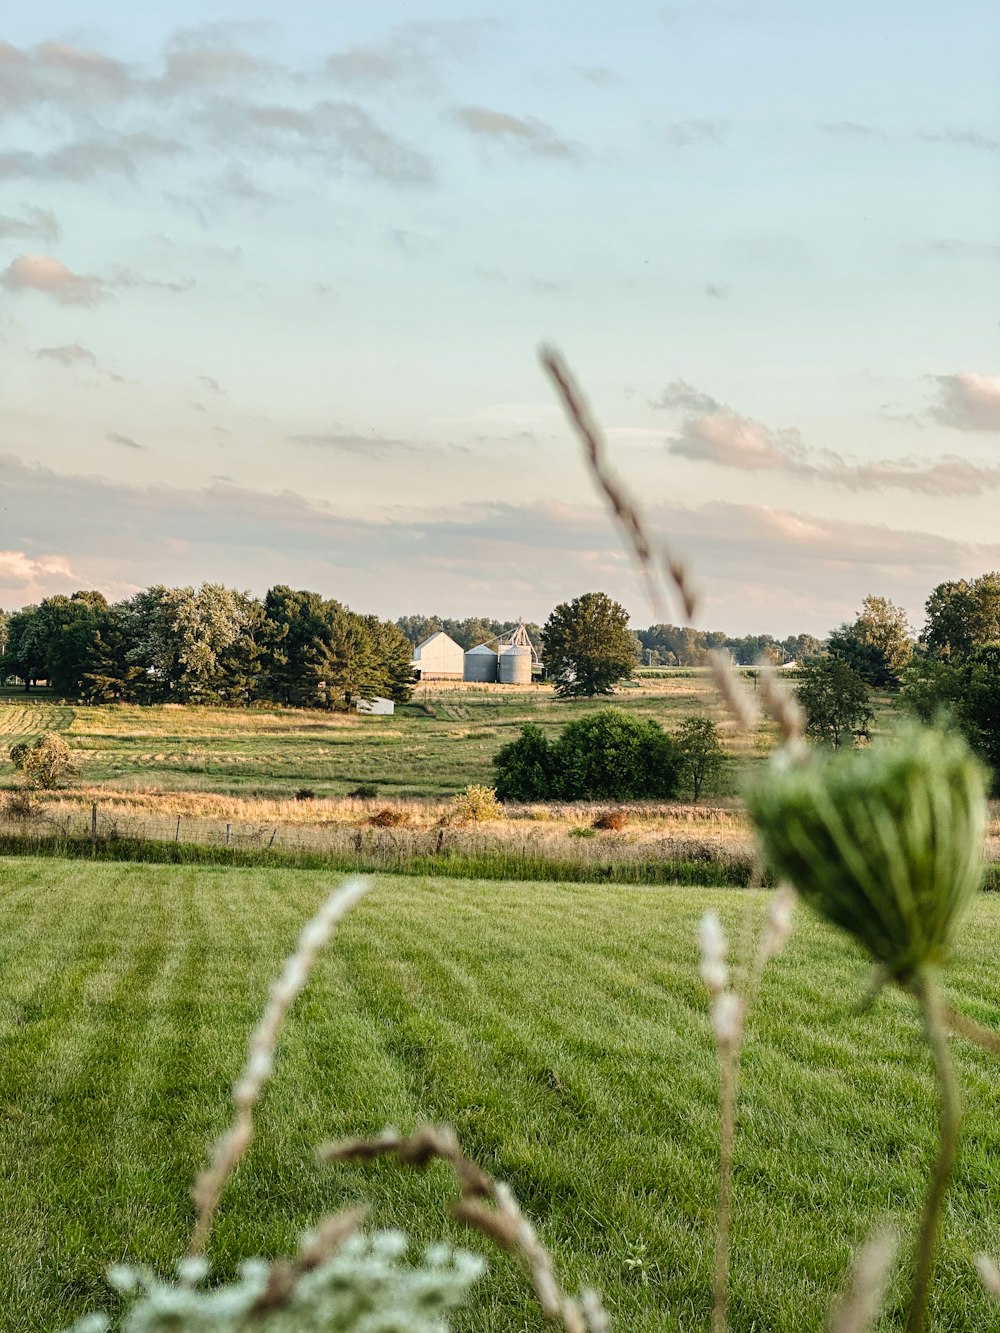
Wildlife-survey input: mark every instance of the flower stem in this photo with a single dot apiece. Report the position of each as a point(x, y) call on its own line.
point(936, 1024)
point(729, 1055)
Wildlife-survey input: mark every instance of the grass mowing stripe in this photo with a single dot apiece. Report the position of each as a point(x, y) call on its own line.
point(560, 1027)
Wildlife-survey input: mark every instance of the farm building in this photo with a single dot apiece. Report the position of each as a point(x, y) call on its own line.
point(384, 707)
point(439, 657)
point(514, 660)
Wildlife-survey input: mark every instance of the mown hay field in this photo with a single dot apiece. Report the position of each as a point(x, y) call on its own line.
point(435, 746)
point(561, 1028)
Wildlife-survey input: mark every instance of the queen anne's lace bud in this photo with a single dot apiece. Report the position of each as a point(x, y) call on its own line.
point(887, 843)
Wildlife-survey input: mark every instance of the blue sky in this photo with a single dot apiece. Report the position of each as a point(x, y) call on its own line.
point(272, 281)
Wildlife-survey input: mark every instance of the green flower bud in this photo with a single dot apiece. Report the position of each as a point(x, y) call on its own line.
point(886, 842)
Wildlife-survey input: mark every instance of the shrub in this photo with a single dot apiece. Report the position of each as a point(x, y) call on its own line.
point(364, 791)
point(21, 803)
point(46, 762)
point(387, 817)
point(607, 754)
point(615, 754)
point(305, 794)
point(615, 820)
point(477, 805)
point(525, 769)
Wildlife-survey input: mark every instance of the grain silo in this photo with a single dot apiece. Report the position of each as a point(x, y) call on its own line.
point(480, 664)
point(515, 665)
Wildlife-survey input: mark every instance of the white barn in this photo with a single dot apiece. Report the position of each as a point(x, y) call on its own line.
point(439, 657)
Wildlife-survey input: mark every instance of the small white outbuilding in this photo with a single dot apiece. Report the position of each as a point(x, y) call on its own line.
point(383, 707)
point(439, 657)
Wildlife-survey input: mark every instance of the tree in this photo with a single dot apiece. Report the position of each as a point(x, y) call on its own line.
point(26, 644)
point(702, 757)
point(878, 645)
point(526, 767)
point(587, 645)
point(967, 692)
point(835, 701)
point(963, 615)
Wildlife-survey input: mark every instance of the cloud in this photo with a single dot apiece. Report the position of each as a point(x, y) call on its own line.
point(731, 440)
point(336, 133)
point(688, 133)
point(968, 402)
point(525, 133)
point(32, 222)
point(961, 249)
point(599, 75)
point(87, 159)
point(763, 568)
point(986, 143)
point(70, 354)
point(411, 54)
point(56, 74)
point(42, 273)
point(26, 578)
point(372, 446)
point(126, 440)
point(714, 433)
point(679, 393)
point(853, 129)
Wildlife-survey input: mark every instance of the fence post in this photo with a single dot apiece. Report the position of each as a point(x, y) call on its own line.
point(229, 833)
point(93, 825)
point(273, 835)
point(177, 830)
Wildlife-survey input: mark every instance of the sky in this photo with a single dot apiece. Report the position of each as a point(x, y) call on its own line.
point(273, 280)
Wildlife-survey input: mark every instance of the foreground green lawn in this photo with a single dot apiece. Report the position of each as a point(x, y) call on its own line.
point(561, 1028)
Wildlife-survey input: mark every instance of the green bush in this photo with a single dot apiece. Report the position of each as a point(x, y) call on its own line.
point(610, 754)
point(525, 768)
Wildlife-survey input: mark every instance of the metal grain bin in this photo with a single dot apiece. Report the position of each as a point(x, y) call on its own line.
point(480, 664)
point(515, 666)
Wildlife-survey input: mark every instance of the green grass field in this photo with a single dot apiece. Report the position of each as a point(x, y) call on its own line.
point(434, 746)
point(562, 1029)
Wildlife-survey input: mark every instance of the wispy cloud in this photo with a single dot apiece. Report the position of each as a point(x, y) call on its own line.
point(764, 567)
point(523, 133)
point(986, 143)
point(88, 159)
point(412, 54)
point(339, 134)
point(50, 277)
point(968, 402)
point(38, 222)
point(113, 437)
point(371, 446)
point(689, 133)
point(70, 354)
point(715, 433)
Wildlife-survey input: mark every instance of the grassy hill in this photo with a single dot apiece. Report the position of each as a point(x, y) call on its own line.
point(562, 1029)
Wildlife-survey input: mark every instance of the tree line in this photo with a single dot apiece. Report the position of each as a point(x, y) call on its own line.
point(207, 645)
point(949, 671)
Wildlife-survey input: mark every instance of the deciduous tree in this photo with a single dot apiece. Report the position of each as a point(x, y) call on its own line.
point(587, 645)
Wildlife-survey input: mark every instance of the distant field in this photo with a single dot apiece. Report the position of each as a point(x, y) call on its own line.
point(562, 1029)
point(434, 746)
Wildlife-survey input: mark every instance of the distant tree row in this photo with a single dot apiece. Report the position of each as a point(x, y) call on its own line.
point(469, 633)
point(681, 645)
point(659, 645)
point(207, 645)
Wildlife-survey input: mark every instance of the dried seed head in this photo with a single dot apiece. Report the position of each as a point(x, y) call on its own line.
point(887, 843)
point(714, 972)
